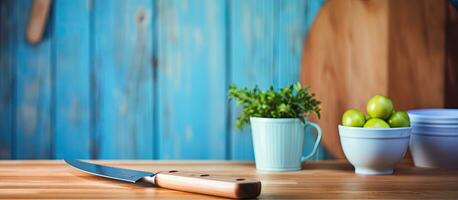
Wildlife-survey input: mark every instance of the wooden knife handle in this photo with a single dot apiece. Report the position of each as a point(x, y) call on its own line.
point(207, 184)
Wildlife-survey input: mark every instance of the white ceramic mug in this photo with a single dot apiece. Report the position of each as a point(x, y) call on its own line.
point(279, 143)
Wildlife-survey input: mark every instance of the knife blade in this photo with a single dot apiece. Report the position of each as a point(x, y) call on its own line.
point(232, 187)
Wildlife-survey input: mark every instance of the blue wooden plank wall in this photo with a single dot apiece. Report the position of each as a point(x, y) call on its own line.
point(191, 79)
point(7, 39)
point(142, 79)
point(33, 98)
point(123, 76)
point(72, 70)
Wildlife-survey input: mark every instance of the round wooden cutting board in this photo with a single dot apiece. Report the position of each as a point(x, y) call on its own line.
point(359, 48)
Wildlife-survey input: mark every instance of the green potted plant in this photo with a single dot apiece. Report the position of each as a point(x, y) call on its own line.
point(279, 122)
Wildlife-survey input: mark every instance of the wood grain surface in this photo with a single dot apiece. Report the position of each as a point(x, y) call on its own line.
point(451, 70)
point(37, 20)
point(318, 180)
point(357, 49)
point(416, 58)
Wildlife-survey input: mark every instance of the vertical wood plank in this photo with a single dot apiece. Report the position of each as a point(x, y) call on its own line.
point(451, 70)
point(123, 79)
point(192, 79)
point(293, 20)
point(33, 90)
point(417, 44)
point(346, 70)
point(71, 35)
point(252, 26)
point(340, 63)
point(7, 34)
point(266, 46)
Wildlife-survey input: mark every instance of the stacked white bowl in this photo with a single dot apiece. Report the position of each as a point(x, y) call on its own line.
point(434, 139)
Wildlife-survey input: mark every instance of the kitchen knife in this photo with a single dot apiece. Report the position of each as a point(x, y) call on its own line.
point(177, 180)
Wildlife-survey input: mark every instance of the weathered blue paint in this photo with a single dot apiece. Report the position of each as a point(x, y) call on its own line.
point(191, 79)
point(267, 38)
point(251, 59)
point(33, 91)
point(123, 79)
point(293, 20)
point(72, 108)
point(7, 34)
point(142, 79)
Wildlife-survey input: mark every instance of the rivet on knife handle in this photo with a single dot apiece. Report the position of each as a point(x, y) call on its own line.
point(231, 187)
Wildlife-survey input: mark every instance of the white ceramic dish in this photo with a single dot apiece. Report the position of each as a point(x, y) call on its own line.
point(440, 130)
point(434, 140)
point(374, 151)
point(434, 116)
point(434, 151)
point(423, 125)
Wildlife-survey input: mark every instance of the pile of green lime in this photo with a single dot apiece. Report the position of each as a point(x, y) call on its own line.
point(380, 112)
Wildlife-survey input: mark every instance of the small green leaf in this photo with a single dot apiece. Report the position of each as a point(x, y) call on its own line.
point(293, 101)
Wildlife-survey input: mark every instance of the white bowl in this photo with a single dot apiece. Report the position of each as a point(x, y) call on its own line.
point(434, 147)
point(439, 130)
point(423, 125)
point(434, 116)
point(374, 151)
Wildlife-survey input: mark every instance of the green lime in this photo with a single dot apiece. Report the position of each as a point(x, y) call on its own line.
point(353, 118)
point(399, 119)
point(380, 107)
point(376, 123)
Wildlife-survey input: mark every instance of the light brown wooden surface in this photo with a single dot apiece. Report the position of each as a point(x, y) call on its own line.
point(318, 180)
point(359, 48)
point(37, 20)
point(416, 53)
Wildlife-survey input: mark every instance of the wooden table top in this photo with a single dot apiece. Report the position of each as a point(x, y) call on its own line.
point(318, 180)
